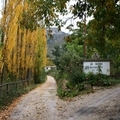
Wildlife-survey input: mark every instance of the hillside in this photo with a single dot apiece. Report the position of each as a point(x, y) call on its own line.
point(54, 38)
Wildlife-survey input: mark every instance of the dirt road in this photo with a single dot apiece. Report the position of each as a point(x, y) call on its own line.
point(43, 104)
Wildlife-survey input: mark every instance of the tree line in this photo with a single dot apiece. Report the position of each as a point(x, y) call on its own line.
point(23, 51)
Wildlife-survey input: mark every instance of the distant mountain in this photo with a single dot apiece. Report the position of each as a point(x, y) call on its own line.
point(54, 38)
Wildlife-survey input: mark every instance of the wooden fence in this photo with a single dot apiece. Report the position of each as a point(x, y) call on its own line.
point(12, 86)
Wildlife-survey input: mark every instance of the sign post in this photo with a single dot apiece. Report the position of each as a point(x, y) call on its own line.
point(95, 67)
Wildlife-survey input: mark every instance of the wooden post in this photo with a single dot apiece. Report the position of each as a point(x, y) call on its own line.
point(7, 88)
point(16, 85)
point(1, 89)
point(2, 74)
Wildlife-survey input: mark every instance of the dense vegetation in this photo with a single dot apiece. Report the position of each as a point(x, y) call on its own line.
point(69, 74)
point(100, 36)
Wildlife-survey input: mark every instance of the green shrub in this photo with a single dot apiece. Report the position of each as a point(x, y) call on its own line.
point(100, 80)
point(67, 93)
point(77, 76)
point(39, 77)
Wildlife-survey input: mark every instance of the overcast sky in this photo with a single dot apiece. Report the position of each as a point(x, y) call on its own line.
point(0, 7)
point(70, 21)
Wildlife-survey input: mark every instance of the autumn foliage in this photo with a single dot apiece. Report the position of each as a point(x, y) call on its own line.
point(23, 51)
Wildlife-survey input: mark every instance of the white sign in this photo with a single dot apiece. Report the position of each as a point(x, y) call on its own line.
point(97, 67)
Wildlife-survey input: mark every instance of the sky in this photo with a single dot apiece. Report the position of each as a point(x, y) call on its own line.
point(0, 7)
point(70, 21)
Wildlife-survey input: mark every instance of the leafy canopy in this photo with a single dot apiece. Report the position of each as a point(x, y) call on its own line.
point(43, 12)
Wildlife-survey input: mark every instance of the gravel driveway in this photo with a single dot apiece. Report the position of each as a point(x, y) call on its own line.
point(42, 103)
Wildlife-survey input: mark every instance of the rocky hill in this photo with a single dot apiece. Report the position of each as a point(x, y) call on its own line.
point(54, 38)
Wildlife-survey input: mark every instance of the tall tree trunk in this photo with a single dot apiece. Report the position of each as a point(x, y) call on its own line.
point(85, 31)
point(2, 38)
point(18, 52)
point(5, 4)
point(20, 69)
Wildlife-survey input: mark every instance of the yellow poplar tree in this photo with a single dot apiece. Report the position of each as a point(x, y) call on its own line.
point(40, 61)
point(21, 47)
